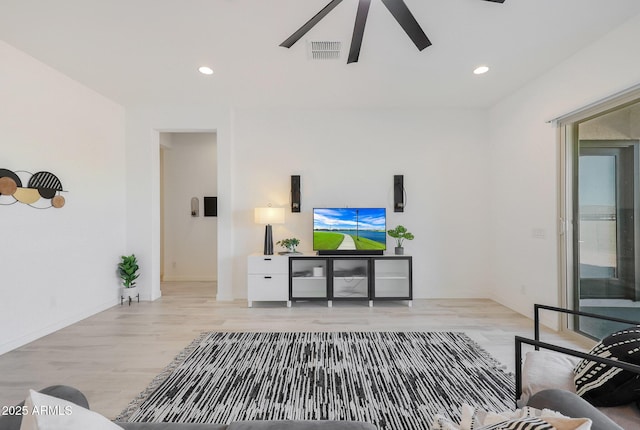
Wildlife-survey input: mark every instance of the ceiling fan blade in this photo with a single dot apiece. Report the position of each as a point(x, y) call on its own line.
point(358, 30)
point(403, 15)
point(496, 1)
point(309, 24)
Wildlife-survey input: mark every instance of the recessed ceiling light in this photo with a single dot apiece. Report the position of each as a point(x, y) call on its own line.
point(480, 70)
point(206, 70)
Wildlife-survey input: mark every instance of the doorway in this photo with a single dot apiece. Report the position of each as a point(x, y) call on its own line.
point(188, 233)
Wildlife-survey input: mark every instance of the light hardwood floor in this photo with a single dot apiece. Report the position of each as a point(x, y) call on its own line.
point(114, 355)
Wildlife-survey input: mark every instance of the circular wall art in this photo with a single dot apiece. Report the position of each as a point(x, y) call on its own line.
point(42, 191)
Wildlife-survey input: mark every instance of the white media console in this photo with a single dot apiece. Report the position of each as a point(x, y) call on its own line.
point(297, 277)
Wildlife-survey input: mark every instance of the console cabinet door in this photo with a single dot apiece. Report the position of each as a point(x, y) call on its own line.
point(350, 278)
point(268, 288)
point(392, 278)
point(308, 278)
point(275, 264)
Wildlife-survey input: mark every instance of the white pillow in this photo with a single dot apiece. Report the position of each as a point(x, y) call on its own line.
point(543, 370)
point(43, 412)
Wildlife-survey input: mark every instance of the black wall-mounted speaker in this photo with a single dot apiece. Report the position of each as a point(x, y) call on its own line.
point(295, 193)
point(398, 193)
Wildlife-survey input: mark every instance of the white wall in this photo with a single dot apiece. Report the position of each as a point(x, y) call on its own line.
point(524, 164)
point(442, 154)
point(190, 243)
point(348, 158)
point(58, 266)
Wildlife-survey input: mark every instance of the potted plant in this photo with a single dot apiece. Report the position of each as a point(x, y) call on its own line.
point(290, 244)
point(400, 234)
point(128, 271)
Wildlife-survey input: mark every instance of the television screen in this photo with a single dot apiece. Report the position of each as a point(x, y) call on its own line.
point(349, 229)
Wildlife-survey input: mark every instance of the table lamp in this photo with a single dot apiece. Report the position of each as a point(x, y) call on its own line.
point(269, 216)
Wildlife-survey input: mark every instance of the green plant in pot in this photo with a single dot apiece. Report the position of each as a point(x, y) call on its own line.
point(128, 271)
point(400, 234)
point(290, 244)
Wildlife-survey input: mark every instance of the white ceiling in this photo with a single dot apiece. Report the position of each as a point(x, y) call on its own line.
point(143, 52)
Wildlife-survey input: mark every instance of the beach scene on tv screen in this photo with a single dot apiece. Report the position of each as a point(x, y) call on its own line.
point(349, 229)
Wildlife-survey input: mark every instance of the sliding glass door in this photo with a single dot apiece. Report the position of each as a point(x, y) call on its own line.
point(606, 219)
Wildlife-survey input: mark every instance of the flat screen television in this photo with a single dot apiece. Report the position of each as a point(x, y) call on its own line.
point(349, 230)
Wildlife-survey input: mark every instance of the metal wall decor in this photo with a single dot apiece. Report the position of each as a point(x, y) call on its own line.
point(40, 190)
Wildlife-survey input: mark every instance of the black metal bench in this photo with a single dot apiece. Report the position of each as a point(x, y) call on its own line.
point(537, 343)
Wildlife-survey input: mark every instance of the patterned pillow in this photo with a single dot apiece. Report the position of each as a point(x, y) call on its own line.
point(603, 385)
point(521, 419)
point(533, 423)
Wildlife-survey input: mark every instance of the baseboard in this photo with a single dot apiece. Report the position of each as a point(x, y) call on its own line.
point(58, 325)
point(178, 278)
point(222, 297)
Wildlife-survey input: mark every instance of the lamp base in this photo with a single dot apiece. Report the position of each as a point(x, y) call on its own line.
point(268, 240)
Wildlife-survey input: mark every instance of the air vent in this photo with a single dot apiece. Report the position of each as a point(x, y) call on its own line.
point(324, 50)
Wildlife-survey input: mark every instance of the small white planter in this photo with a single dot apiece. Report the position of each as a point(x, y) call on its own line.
point(129, 294)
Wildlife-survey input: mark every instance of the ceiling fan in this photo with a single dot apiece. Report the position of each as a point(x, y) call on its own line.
point(398, 9)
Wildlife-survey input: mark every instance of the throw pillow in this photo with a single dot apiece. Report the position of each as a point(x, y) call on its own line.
point(603, 385)
point(43, 412)
point(543, 370)
point(526, 418)
point(533, 423)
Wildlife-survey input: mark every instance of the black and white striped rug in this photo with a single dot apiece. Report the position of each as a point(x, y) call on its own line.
point(393, 380)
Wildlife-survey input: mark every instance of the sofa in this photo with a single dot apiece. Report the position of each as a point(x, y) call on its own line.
point(572, 405)
point(561, 401)
point(70, 394)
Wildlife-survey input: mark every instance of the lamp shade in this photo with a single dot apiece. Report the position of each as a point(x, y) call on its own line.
point(269, 215)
